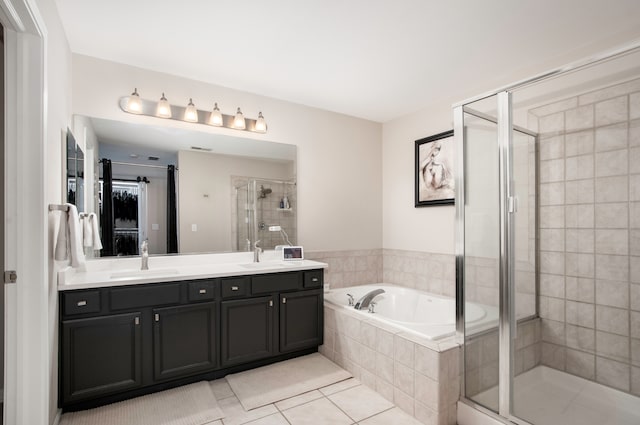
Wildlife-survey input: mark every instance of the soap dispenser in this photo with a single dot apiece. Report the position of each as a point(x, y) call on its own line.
point(282, 203)
point(285, 201)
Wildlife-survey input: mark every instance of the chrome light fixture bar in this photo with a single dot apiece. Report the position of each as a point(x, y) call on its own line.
point(133, 104)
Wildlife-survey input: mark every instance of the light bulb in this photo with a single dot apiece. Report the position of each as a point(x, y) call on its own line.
point(191, 113)
point(216, 116)
point(261, 125)
point(134, 104)
point(238, 121)
point(164, 109)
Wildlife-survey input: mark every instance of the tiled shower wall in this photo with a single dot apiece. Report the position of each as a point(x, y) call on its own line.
point(589, 217)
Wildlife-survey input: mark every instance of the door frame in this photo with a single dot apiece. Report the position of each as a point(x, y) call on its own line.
point(27, 386)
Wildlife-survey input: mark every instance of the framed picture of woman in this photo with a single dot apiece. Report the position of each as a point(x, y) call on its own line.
point(435, 183)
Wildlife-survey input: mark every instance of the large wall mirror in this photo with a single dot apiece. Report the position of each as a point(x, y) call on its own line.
point(74, 181)
point(187, 191)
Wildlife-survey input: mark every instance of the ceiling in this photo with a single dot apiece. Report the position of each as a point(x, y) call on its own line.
point(373, 59)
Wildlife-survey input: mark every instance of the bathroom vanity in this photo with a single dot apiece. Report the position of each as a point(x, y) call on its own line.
point(121, 338)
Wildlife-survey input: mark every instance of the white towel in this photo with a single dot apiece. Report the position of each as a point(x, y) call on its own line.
point(76, 252)
point(87, 231)
point(63, 239)
point(95, 231)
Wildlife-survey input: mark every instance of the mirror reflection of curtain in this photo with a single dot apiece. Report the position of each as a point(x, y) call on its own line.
point(106, 219)
point(172, 220)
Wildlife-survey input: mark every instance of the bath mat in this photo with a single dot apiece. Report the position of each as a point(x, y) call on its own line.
point(268, 384)
point(192, 404)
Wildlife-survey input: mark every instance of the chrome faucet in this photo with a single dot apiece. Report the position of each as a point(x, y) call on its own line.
point(367, 298)
point(256, 252)
point(144, 255)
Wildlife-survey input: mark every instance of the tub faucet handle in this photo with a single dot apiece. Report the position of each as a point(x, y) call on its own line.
point(351, 300)
point(372, 306)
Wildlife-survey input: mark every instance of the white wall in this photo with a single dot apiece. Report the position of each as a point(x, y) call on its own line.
point(204, 196)
point(339, 157)
point(404, 226)
point(58, 74)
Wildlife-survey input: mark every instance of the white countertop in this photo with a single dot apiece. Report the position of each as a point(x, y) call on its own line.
point(110, 272)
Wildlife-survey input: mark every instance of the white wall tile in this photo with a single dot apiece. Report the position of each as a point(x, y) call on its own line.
point(583, 339)
point(612, 241)
point(551, 171)
point(612, 320)
point(612, 111)
point(579, 143)
point(612, 346)
point(612, 216)
point(580, 118)
point(612, 267)
point(634, 106)
point(612, 373)
point(612, 293)
point(611, 138)
point(634, 133)
point(612, 163)
point(552, 123)
point(580, 289)
point(581, 364)
point(551, 147)
point(612, 189)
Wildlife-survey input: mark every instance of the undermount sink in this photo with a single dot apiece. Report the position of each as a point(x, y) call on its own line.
point(136, 274)
point(258, 266)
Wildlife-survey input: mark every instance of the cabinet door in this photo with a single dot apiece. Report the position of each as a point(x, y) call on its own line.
point(100, 356)
point(300, 320)
point(184, 340)
point(247, 330)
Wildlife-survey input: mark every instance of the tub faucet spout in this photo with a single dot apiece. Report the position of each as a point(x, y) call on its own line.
point(367, 298)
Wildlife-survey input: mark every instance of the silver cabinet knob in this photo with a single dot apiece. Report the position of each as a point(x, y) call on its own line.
point(234, 288)
point(203, 291)
point(81, 303)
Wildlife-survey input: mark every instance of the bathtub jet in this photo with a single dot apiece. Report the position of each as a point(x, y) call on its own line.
point(367, 298)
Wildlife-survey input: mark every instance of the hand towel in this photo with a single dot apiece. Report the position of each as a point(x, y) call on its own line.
point(62, 240)
point(76, 252)
point(87, 231)
point(95, 231)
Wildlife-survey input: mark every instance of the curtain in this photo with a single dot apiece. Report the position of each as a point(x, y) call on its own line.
point(172, 220)
point(106, 219)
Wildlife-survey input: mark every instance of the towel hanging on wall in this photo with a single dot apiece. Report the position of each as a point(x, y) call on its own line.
point(69, 240)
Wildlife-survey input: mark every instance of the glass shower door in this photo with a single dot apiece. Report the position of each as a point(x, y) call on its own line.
point(478, 219)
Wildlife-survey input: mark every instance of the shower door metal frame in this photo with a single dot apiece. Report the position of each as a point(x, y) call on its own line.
point(507, 322)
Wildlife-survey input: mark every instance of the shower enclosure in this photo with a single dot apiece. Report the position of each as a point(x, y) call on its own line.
point(548, 233)
point(265, 211)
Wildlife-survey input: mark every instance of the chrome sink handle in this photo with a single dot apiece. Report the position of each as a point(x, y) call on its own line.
point(372, 306)
point(351, 300)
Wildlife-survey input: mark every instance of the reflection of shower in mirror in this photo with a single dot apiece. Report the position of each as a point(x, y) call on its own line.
point(264, 192)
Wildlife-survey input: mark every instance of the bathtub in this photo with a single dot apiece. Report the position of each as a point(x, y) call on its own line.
point(428, 315)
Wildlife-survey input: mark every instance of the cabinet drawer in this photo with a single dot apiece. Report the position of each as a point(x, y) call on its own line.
point(235, 287)
point(313, 279)
point(145, 296)
point(275, 282)
point(81, 302)
point(202, 290)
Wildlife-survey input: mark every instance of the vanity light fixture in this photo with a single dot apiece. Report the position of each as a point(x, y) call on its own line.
point(133, 104)
point(238, 121)
point(191, 113)
point(261, 125)
point(164, 109)
point(216, 116)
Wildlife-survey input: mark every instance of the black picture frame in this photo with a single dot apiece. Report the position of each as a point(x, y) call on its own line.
point(434, 172)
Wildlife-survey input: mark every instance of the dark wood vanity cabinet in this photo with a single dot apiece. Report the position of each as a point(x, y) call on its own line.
point(184, 340)
point(120, 342)
point(102, 355)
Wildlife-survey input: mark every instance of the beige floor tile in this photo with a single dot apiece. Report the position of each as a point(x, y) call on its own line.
point(339, 386)
point(317, 412)
point(298, 400)
point(276, 419)
point(360, 402)
point(221, 389)
point(234, 413)
point(393, 416)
